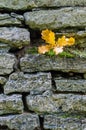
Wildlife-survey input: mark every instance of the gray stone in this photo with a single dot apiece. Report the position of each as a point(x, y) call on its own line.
point(55, 122)
point(36, 62)
point(20, 82)
point(4, 48)
point(7, 20)
point(59, 3)
point(70, 85)
point(57, 103)
point(17, 16)
point(14, 36)
point(56, 19)
point(28, 4)
point(25, 121)
point(11, 104)
point(17, 4)
point(84, 124)
point(2, 80)
point(7, 62)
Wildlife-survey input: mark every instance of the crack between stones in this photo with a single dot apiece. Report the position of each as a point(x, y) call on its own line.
point(67, 92)
point(41, 120)
point(26, 109)
point(5, 127)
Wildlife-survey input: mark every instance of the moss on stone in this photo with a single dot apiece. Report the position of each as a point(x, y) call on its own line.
point(66, 54)
point(32, 50)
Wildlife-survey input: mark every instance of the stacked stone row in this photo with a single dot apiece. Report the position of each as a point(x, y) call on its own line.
point(34, 94)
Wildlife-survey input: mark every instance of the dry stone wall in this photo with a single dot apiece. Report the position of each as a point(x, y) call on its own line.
point(42, 92)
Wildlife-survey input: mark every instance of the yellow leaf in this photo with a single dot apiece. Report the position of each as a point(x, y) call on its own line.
point(65, 41)
point(43, 49)
point(71, 41)
point(61, 41)
point(48, 36)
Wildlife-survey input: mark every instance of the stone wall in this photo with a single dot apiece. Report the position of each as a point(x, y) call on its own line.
point(41, 92)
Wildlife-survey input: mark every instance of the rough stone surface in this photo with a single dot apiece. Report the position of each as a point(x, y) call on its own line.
point(24, 121)
point(7, 20)
point(32, 63)
point(10, 104)
point(55, 122)
point(14, 36)
point(4, 48)
point(56, 19)
point(17, 4)
point(7, 62)
point(17, 16)
point(70, 85)
point(42, 92)
point(57, 103)
point(28, 4)
point(20, 82)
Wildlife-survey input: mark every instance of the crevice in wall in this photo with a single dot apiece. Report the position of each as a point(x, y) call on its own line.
point(26, 109)
point(20, 12)
point(19, 93)
point(4, 127)
point(53, 83)
point(69, 92)
point(41, 119)
point(18, 54)
point(1, 89)
point(66, 75)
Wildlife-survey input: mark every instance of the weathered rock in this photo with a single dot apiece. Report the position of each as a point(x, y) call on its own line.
point(4, 48)
point(56, 19)
point(14, 36)
point(17, 16)
point(2, 80)
point(70, 85)
point(55, 122)
point(7, 62)
point(56, 103)
point(17, 5)
point(28, 4)
point(7, 20)
point(59, 3)
point(24, 121)
point(20, 82)
point(11, 104)
point(33, 63)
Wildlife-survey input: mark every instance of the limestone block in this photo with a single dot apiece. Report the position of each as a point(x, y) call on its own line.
point(56, 19)
point(17, 4)
point(11, 104)
point(14, 36)
point(7, 62)
point(35, 83)
point(36, 62)
point(70, 85)
point(29, 4)
point(25, 121)
point(56, 122)
point(7, 20)
point(57, 103)
point(59, 3)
